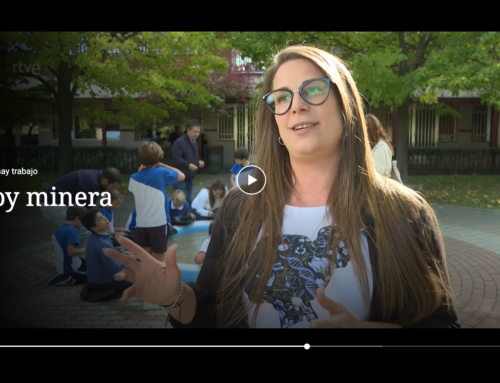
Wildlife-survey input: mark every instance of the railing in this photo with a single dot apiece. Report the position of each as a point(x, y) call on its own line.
point(421, 161)
point(439, 161)
point(45, 159)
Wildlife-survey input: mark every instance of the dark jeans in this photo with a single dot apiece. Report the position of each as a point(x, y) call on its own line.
point(187, 188)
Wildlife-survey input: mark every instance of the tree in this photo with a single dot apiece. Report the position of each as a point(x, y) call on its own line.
point(389, 67)
point(123, 65)
point(473, 62)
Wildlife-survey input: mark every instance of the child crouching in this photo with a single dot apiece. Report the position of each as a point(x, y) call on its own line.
point(70, 267)
point(100, 268)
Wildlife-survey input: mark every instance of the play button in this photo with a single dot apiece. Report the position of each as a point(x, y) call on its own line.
point(251, 175)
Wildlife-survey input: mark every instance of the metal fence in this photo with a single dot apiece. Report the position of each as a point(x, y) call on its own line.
point(421, 161)
point(453, 161)
point(45, 159)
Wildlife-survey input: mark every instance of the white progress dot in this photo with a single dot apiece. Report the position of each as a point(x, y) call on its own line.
point(307, 346)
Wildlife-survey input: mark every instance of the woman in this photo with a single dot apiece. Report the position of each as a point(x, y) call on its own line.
point(382, 150)
point(208, 200)
point(354, 250)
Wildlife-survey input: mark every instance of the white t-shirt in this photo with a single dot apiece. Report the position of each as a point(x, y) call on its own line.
point(204, 246)
point(202, 202)
point(290, 300)
point(382, 158)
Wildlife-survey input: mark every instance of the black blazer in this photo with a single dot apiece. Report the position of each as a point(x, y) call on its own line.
point(183, 154)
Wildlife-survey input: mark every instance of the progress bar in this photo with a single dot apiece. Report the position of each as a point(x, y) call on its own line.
point(306, 346)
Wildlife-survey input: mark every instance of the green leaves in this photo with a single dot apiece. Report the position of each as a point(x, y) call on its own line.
point(391, 67)
point(121, 65)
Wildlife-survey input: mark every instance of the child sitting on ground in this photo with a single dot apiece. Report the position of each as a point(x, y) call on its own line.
point(100, 268)
point(178, 205)
point(203, 249)
point(107, 211)
point(241, 161)
point(70, 267)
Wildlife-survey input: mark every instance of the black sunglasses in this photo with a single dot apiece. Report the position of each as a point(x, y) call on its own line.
point(314, 92)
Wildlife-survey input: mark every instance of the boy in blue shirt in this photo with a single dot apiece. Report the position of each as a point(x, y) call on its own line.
point(149, 186)
point(107, 211)
point(70, 267)
point(241, 160)
point(131, 222)
point(178, 205)
point(100, 268)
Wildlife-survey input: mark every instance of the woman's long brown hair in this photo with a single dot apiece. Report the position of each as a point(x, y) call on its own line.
point(376, 132)
point(217, 185)
point(411, 285)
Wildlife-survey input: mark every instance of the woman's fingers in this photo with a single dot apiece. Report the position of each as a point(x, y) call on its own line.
point(134, 248)
point(127, 294)
point(125, 275)
point(124, 259)
point(171, 257)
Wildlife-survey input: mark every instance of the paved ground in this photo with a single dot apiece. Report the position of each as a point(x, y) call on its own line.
point(472, 239)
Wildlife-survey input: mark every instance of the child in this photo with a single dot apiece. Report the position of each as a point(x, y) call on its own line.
point(178, 205)
point(107, 211)
point(131, 224)
point(149, 186)
point(70, 267)
point(203, 249)
point(100, 268)
point(241, 161)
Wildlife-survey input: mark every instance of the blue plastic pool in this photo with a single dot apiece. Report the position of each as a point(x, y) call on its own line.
point(189, 239)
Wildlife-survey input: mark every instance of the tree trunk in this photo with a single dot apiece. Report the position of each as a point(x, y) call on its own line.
point(402, 143)
point(65, 119)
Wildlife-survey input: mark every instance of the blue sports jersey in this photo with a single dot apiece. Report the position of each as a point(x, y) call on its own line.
point(237, 168)
point(149, 187)
point(131, 224)
point(63, 237)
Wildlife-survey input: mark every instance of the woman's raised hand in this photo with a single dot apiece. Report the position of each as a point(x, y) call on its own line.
point(153, 281)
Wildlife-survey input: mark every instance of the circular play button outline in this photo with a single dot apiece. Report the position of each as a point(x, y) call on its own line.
point(238, 179)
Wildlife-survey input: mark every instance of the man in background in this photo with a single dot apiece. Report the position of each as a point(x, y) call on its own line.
point(185, 158)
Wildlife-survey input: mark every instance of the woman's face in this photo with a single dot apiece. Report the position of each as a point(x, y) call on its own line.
point(324, 138)
point(218, 193)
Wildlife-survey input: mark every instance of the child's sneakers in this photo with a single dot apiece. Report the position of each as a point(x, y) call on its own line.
point(151, 306)
point(61, 280)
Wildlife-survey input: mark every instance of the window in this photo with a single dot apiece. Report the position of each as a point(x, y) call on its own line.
point(424, 127)
point(481, 123)
point(240, 61)
point(447, 128)
point(237, 125)
point(87, 128)
point(112, 129)
point(225, 125)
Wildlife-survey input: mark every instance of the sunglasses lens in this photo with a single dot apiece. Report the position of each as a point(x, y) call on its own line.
point(316, 92)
